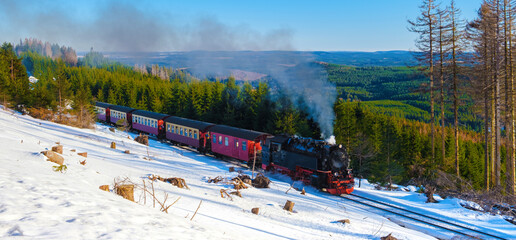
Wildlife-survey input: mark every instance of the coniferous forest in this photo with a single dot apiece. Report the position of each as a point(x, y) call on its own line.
point(447, 121)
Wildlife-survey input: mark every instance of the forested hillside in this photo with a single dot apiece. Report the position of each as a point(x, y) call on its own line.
point(396, 91)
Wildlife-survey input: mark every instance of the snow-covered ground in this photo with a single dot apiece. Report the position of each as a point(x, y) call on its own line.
point(39, 203)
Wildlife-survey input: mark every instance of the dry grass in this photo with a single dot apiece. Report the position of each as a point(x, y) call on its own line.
point(70, 118)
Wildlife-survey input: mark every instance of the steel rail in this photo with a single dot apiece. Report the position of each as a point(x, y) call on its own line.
point(419, 214)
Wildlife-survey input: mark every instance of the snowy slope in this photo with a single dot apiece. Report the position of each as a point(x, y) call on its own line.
point(38, 203)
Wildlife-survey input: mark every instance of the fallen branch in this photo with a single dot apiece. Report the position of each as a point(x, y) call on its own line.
point(196, 211)
point(224, 191)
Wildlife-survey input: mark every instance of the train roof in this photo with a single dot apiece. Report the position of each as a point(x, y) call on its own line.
point(203, 126)
point(279, 138)
point(238, 132)
point(121, 108)
point(149, 114)
point(103, 104)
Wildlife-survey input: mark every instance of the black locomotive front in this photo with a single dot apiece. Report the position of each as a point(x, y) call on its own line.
point(315, 162)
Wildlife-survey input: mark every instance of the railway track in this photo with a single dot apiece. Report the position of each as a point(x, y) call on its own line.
point(414, 218)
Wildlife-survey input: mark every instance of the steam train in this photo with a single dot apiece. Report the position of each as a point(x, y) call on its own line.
point(315, 162)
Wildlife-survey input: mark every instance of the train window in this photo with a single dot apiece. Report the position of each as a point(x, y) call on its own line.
point(181, 131)
point(214, 138)
point(226, 141)
point(220, 139)
point(195, 134)
point(244, 145)
point(236, 143)
point(177, 130)
point(172, 128)
point(189, 133)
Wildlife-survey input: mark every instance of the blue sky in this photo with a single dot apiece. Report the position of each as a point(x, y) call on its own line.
point(345, 25)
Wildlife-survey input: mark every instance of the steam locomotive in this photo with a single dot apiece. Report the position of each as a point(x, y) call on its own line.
point(315, 162)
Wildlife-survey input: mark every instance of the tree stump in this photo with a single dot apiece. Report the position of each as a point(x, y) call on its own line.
point(429, 192)
point(58, 149)
point(113, 145)
point(303, 191)
point(112, 129)
point(143, 139)
point(261, 181)
point(127, 151)
point(126, 191)
point(84, 154)
point(53, 157)
point(289, 206)
point(104, 188)
point(255, 210)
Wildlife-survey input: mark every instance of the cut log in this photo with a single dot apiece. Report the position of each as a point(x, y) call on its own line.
point(255, 210)
point(113, 145)
point(53, 157)
point(344, 221)
point(83, 162)
point(303, 191)
point(73, 150)
point(104, 188)
point(388, 237)
point(58, 149)
point(112, 129)
point(127, 151)
point(84, 154)
point(126, 191)
point(289, 206)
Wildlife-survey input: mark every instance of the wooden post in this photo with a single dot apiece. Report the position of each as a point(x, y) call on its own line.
point(113, 145)
point(255, 210)
point(254, 159)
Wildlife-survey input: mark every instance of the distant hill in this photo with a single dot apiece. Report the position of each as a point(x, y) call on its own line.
point(223, 63)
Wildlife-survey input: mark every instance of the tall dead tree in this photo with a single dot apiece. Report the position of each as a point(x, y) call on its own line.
point(425, 26)
point(508, 19)
point(482, 33)
point(442, 42)
point(486, 32)
point(495, 48)
point(456, 50)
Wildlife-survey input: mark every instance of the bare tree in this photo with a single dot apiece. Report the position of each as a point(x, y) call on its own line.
point(508, 19)
point(442, 42)
point(456, 48)
point(425, 26)
point(484, 32)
